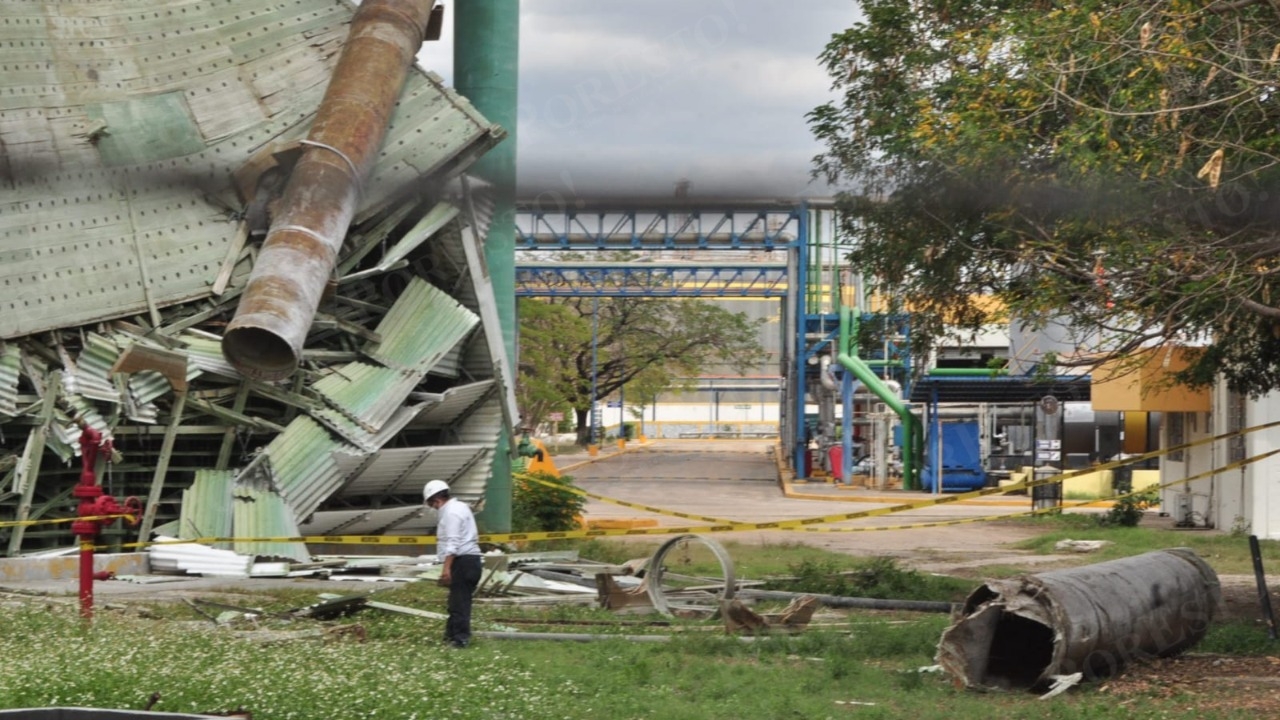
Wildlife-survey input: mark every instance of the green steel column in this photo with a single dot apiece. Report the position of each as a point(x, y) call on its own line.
point(486, 53)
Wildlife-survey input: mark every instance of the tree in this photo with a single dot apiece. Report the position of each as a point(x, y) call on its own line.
point(1109, 163)
point(642, 343)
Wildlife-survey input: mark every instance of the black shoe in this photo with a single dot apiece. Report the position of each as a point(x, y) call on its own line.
point(458, 644)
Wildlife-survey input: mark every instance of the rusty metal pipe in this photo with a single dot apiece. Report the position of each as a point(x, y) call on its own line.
point(265, 339)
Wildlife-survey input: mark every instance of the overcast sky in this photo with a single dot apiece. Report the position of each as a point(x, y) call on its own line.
point(621, 96)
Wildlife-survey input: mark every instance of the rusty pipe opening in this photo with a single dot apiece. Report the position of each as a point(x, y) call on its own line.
point(259, 353)
point(1021, 652)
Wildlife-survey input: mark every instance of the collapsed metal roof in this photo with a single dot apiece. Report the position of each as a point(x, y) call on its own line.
point(138, 147)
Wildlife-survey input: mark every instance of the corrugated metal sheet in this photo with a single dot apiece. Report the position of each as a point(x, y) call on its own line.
point(120, 205)
point(81, 410)
point(480, 426)
point(91, 374)
point(407, 520)
point(366, 441)
point(403, 471)
point(260, 512)
point(368, 395)
point(10, 362)
point(304, 464)
point(423, 325)
point(420, 328)
point(206, 507)
point(458, 262)
point(205, 353)
point(191, 559)
point(454, 403)
point(129, 127)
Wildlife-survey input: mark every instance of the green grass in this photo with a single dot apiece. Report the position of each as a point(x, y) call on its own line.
point(400, 668)
point(1226, 553)
point(1237, 637)
point(402, 671)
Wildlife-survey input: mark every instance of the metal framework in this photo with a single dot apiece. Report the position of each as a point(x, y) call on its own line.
point(755, 280)
point(676, 239)
point(708, 225)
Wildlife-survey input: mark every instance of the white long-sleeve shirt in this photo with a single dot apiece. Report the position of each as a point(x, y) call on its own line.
point(456, 532)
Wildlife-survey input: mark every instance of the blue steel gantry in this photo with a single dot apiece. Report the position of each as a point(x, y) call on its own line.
point(668, 248)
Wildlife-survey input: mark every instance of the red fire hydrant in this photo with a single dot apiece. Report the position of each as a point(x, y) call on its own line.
point(94, 505)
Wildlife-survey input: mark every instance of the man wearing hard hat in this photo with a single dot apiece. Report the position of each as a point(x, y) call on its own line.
point(458, 546)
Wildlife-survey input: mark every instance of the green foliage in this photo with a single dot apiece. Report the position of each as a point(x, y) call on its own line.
point(1237, 637)
point(642, 344)
point(542, 502)
point(880, 577)
point(1107, 165)
point(1128, 510)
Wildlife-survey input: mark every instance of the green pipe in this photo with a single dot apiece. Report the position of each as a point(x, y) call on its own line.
point(486, 54)
point(848, 359)
point(968, 372)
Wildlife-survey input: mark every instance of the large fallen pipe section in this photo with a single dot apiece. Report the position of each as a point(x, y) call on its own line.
point(1022, 633)
point(264, 341)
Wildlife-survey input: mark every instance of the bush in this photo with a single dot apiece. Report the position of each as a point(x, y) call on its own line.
point(539, 507)
point(879, 577)
point(1128, 510)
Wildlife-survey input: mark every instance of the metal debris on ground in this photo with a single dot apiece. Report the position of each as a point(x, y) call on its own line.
point(1080, 546)
point(738, 618)
point(170, 191)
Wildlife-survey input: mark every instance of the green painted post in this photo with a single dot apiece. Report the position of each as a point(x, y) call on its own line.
point(486, 52)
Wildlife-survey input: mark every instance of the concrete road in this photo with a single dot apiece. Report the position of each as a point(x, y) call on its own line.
point(738, 480)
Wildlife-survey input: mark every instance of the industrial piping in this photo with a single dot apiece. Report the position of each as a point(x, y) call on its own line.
point(264, 341)
point(860, 370)
point(1023, 633)
point(95, 511)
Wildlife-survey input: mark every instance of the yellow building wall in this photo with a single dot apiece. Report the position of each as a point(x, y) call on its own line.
point(1120, 385)
point(1143, 479)
point(1090, 485)
point(1135, 433)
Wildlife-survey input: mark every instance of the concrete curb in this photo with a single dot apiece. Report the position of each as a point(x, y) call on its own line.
point(596, 459)
point(67, 567)
point(787, 481)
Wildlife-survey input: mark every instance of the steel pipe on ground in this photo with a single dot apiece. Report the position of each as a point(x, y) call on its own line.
point(860, 603)
point(1022, 633)
point(264, 341)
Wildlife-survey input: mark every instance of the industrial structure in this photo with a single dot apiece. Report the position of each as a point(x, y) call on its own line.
point(241, 242)
point(272, 263)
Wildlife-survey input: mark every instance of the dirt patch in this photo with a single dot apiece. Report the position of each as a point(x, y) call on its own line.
point(1240, 598)
point(1211, 683)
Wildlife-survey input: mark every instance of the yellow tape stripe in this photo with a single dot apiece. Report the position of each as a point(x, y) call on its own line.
point(1056, 508)
point(624, 503)
point(932, 501)
point(804, 525)
point(29, 523)
point(717, 525)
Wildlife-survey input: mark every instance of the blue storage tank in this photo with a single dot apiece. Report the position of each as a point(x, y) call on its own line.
point(961, 458)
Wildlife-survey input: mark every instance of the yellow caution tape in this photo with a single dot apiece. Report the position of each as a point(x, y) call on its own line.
point(1056, 508)
point(55, 521)
point(805, 524)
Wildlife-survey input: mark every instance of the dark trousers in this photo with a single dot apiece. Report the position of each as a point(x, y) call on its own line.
point(466, 576)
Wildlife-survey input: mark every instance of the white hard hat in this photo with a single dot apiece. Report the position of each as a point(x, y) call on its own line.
point(433, 487)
